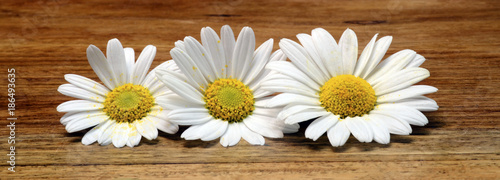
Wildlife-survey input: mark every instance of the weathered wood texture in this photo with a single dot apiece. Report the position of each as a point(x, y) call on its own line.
point(43, 40)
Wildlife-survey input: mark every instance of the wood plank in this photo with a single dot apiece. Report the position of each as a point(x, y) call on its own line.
point(46, 39)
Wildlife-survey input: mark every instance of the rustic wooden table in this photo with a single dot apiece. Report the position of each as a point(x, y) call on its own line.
point(43, 40)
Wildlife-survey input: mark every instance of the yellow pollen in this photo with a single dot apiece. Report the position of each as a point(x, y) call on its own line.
point(229, 100)
point(128, 103)
point(347, 95)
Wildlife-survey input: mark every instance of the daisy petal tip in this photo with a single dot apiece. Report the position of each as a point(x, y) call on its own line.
point(349, 31)
point(387, 39)
point(118, 145)
point(318, 30)
point(70, 130)
point(248, 29)
point(92, 48)
point(337, 143)
point(67, 76)
point(151, 47)
point(114, 41)
point(86, 143)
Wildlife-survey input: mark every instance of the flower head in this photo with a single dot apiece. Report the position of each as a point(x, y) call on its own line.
point(218, 92)
point(125, 108)
point(349, 95)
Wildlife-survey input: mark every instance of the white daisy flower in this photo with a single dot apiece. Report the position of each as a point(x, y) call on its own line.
point(218, 91)
point(327, 81)
point(125, 108)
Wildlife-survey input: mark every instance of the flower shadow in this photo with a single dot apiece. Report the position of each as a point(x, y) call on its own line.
point(322, 143)
point(188, 144)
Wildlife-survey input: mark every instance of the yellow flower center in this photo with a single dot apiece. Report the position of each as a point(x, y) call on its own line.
point(128, 103)
point(229, 100)
point(347, 95)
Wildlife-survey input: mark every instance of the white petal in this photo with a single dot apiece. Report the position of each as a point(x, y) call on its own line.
point(212, 130)
point(404, 113)
point(287, 85)
point(338, 134)
point(276, 56)
point(250, 136)
point(319, 126)
point(84, 122)
point(191, 133)
point(79, 115)
point(213, 45)
point(116, 57)
point(159, 112)
point(182, 88)
point(243, 53)
point(291, 71)
point(143, 64)
point(159, 89)
point(188, 67)
point(308, 44)
point(180, 44)
point(392, 64)
point(294, 109)
point(260, 93)
point(302, 61)
point(106, 132)
point(201, 58)
point(86, 83)
point(146, 128)
point(377, 54)
point(412, 91)
point(79, 105)
point(359, 129)
point(151, 77)
point(260, 59)
point(76, 92)
point(416, 62)
point(394, 126)
point(271, 112)
point(364, 58)
point(134, 138)
point(266, 126)
point(120, 135)
point(348, 44)
point(190, 116)
point(291, 128)
point(91, 136)
point(328, 50)
point(165, 125)
point(232, 135)
point(174, 101)
point(288, 98)
point(101, 67)
point(177, 74)
point(306, 115)
point(129, 59)
point(228, 42)
point(401, 80)
point(380, 132)
point(420, 103)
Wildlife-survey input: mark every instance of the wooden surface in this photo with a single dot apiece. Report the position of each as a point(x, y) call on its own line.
point(43, 40)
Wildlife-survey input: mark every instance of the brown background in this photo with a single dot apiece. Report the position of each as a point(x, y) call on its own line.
point(43, 40)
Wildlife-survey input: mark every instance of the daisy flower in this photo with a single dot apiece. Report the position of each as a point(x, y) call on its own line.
point(218, 92)
point(349, 95)
point(125, 108)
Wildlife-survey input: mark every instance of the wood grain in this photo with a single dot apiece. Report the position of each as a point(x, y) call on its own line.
point(43, 40)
